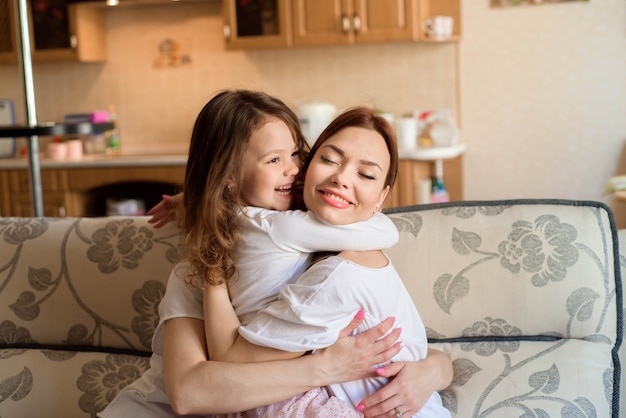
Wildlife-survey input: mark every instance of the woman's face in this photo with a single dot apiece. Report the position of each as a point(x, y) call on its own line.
point(270, 166)
point(345, 181)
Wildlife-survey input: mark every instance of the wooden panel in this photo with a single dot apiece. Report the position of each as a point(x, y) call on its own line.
point(411, 173)
point(387, 20)
point(321, 22)
point(51, 180)
point(83, 179)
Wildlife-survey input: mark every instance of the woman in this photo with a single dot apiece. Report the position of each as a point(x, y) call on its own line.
point(196, 385)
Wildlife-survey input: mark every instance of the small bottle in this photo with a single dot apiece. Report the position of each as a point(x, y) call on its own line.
point(113, 136)
point(439, 193)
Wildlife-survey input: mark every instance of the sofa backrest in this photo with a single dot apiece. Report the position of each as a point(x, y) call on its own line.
point(83, 283)
point(526, 298)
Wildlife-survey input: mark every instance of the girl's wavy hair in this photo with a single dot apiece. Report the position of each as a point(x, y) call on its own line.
point(211, 199)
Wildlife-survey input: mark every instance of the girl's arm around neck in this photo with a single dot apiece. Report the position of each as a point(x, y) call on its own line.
point(220, 327)
point(220, 321)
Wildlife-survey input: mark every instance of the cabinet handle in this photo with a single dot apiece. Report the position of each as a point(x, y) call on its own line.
point(357, 23)
point(62, 211)
point(74, 41)
point(345, 24)
point(227, 32)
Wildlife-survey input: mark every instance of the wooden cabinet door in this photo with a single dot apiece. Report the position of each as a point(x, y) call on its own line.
point(386, 20)
point(257, 24)
point(67, 32)
point(323, 22)
point(8, 45)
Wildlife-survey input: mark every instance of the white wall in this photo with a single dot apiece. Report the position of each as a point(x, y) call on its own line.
point(543, 99)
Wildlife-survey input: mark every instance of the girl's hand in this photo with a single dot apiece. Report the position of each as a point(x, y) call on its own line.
point(411, 385)
point(353, 357)
point(165, 211)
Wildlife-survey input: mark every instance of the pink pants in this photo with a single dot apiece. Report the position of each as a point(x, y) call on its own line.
point(315, 403)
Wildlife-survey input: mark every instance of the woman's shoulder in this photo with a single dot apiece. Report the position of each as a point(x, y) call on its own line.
point(374, 259)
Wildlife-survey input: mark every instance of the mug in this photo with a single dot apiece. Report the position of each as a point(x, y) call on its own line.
point(439, 27)
point(406, 132)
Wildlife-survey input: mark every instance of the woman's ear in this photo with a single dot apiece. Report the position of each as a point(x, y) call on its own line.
point(383, 196)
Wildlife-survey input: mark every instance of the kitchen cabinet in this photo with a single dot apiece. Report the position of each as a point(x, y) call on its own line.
point(337, 22)
point(8, 45)
point(59, 31)
point(257, 24)
point(81, 189)
point(332, 22)
point(411, 172)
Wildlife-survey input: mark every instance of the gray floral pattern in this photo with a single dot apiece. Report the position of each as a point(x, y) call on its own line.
point(543, 248)
point(102, 380)
point(120, 243)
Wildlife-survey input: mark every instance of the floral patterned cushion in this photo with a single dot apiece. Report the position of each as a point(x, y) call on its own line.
point(78, 308)
point(525, 296)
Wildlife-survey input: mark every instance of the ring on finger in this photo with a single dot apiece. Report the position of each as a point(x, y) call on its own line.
point(397, 412)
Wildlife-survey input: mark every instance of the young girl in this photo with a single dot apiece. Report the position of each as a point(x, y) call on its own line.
point(178, 366)
point(352, 167)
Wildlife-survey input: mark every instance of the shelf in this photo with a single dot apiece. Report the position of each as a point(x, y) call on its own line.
point(52, 129)
point(432, 153)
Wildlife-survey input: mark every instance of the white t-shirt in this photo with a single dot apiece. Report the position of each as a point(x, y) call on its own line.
point(310, 313)
point(275, 249)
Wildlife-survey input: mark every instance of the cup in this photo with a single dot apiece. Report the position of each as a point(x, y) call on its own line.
point(56, 150)
point(439, 27)
point(406, 132)
point(74, 149)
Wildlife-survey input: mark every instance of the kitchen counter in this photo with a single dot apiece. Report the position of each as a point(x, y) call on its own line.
point(98, 160)
point(74, 187)
point(101, 160)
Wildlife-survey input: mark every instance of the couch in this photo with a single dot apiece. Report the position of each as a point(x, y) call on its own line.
point(524, 295)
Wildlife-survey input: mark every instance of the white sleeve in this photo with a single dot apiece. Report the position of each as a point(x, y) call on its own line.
point(302, 231)
point(308, 314)
point(181, 300)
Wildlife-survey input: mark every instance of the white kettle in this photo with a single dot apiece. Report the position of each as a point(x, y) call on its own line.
point(315, 116)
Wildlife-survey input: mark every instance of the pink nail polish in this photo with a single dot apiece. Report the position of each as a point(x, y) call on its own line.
point(360, 407)
point(360, 314)
point(380, 370)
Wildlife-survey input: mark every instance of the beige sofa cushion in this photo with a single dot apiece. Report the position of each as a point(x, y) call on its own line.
point(524, 296)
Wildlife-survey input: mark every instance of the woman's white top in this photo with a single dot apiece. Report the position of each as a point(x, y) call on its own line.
point(310, 313)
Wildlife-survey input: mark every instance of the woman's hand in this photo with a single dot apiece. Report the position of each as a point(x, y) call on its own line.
point(353, 357)
point(411, 385)
point(165, 211)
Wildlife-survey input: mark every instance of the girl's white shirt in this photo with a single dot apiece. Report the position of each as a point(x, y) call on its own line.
point(276, 246)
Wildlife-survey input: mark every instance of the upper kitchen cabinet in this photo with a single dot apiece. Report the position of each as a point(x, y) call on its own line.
point(63, 31)
point(8, 46)
point(335, 22)
point(252, 24)
point(59, 31)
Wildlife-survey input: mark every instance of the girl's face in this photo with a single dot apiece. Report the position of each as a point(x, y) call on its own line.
point(270, 166)
point(345, 181)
